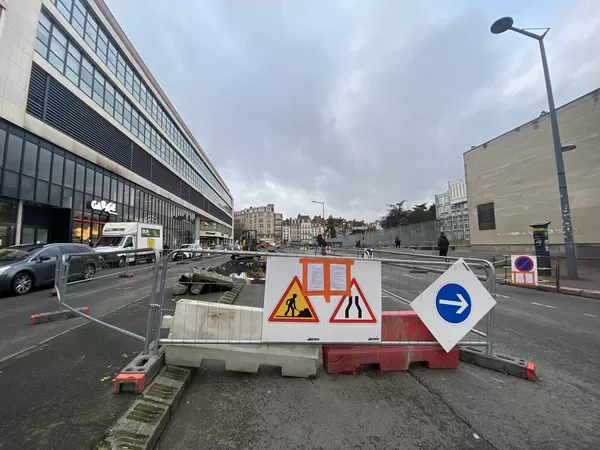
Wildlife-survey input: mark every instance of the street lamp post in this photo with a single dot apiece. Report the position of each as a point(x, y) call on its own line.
point(323, 205)
point(505, 24)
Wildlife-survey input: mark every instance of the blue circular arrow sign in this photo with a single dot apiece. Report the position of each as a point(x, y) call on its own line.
point(524, 264)
point(453, 303)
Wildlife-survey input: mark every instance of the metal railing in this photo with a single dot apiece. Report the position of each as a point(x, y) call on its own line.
point(182, 293)
point(196, 319)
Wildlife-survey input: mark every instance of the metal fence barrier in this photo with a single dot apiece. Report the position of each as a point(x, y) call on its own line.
point(94, 285)
point(403, 279)
point(165, 287)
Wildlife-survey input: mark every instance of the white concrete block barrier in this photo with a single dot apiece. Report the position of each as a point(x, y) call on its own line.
point(207, 321)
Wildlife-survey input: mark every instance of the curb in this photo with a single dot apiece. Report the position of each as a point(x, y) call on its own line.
point(142, 424)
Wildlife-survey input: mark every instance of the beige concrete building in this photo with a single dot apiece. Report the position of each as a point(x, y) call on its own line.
point(263, 219)
point(512, 182)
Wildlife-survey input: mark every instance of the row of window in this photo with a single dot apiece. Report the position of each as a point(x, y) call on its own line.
point(48, 175)
point(64, 55)
point(98, 39)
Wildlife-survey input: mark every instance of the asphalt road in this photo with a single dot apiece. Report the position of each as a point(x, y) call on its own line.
point(57, 390)
point(469, 407)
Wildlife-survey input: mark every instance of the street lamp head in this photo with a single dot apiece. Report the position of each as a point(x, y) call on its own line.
point(502, 25)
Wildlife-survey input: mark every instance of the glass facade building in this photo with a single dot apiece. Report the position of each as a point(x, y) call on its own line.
point(93, 126)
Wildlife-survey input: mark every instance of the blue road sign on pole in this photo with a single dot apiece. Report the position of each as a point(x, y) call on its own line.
point(453, 303)
point(524, 264)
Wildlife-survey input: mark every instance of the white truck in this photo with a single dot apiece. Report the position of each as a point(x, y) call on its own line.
point(129, 236)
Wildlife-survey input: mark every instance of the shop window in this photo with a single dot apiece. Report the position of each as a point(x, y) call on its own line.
point(106, 188)
point(67, 198)
point(55, 195)
point(10, 184)
point(69, 179)
point(44, 164)
point(77, 227)
point(57, 169)
point(30, 156)
point(78, 200)
point(2, 142)
point(42, 191)
point(80, 178)
point(27, 188)
point(98, 185)
point(113, 189)
point(14, 152)
point(89, 181)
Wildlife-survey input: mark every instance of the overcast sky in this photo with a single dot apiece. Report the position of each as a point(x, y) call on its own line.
point(359, 103)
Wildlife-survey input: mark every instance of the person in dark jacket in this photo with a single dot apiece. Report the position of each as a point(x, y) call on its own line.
point(397, 242)
point(443, 245)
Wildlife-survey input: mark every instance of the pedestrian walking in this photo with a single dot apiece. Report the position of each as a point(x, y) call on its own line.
point(443, 245)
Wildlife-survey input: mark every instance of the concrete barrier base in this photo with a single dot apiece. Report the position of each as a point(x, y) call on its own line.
point(295, 360)
point(53, 316)
point(139, 373)
point(501, 363)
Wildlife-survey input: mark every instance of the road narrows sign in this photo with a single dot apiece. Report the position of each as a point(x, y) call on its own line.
point(453, 304)
point(294, 306)
point(353, 308)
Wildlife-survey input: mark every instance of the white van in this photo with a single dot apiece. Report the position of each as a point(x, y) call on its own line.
point(130, 236)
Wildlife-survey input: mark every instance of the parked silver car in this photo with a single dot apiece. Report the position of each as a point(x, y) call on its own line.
point(23, 267)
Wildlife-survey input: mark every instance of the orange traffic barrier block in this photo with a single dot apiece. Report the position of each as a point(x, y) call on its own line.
point(130, 382)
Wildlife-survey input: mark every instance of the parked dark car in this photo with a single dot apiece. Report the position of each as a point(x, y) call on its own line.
point(23, 267)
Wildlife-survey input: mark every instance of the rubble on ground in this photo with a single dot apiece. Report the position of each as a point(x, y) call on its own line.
point(221, 278)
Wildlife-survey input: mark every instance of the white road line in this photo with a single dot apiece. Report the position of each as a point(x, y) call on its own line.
point(589, 315)
point(503, 296)
point(545, 306)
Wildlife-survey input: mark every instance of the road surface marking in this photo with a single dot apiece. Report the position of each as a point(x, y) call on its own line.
point(503, 296)
point(589, 315)
point(545, 306)
point(396, 297)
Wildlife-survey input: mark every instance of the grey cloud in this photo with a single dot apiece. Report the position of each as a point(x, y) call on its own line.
point(373, 92)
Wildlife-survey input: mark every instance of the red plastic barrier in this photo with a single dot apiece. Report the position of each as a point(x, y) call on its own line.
point(396, 326)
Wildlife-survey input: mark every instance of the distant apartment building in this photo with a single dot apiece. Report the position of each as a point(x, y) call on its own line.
point(278, 227)
point(286, 231)
point(452, 210)
point(263, 219)
point(302, 229)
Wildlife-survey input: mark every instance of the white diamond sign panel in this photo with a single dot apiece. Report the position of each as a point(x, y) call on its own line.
point(453, 304)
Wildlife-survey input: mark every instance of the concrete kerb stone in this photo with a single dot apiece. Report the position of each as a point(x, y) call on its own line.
point(591, 293)
point(139, 372)
point(168, 386)
point(500, 363)
point(140, 426)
